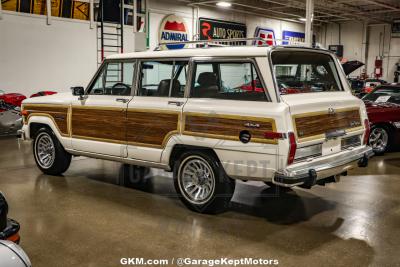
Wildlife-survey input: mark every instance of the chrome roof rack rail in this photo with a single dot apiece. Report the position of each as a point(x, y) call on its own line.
point(256, 41)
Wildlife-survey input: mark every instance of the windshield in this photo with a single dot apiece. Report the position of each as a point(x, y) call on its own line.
point(305, 72)
point(384, 95)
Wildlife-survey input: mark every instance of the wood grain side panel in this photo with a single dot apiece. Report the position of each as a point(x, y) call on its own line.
point(102, 124)
point(59, 114)
point(313, 125)
point(227, 127)
point(151, 128)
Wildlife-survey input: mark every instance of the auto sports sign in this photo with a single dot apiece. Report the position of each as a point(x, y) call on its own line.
point(267, 34)
point(290, 37)
point(173, 29)
point(219, 29)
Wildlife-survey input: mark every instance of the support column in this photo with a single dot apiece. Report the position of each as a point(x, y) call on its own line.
point(48, 11)
point(91, 13)
point(309, 22)
point(1, 11)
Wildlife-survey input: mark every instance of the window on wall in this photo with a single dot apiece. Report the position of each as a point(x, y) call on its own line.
point(228, 80)
point(115, 78)
point(163, 78)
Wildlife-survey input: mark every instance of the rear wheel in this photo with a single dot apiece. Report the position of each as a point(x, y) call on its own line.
point(379, 139)
point(202, 183)
point(50, 155)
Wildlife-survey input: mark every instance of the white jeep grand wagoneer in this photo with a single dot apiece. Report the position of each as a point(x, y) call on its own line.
point(282, 115)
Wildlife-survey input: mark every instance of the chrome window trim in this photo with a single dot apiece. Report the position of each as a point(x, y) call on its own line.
point(251, 60)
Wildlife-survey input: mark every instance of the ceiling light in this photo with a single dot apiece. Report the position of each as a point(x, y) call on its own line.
point(224, 4)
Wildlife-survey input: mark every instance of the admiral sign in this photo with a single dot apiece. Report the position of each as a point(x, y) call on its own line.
point(219, 29)
point(264, 33)
point(173, 29)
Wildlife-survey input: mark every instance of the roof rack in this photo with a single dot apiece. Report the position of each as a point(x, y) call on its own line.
point(257, 41)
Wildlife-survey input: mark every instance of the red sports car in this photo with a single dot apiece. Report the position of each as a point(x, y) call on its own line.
point(12, 98)
point(43, 93)
point(383, 107)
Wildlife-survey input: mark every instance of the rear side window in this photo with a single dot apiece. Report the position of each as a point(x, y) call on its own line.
point(305, 72)
point(163, 78)
point(227, 80)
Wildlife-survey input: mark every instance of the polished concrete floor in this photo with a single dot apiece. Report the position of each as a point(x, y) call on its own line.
point(86, 219)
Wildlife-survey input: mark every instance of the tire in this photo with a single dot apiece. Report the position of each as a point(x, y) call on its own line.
point(208, 188)
point(47, 144)
point(379, 139)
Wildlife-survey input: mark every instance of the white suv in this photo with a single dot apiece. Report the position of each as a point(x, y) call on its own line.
point(282, 115)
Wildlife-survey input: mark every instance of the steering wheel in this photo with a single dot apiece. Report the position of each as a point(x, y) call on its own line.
point(124, 90)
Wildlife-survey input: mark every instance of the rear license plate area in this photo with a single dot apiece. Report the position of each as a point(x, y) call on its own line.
point(331, 146)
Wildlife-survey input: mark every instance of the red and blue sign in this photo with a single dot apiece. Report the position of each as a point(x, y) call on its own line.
point(290, 37)
point(267, 34)
point(173, 29)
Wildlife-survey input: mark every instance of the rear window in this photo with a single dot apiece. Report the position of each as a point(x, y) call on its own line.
point(305, 72)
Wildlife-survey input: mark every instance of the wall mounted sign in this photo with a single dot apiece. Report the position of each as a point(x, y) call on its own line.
point(264, 33)
point(173, 29)
point(290, 37)
point(337, 49)
point(396, 28)
point(219, 29)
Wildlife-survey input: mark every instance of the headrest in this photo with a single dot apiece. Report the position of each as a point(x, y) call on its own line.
point(207, 79)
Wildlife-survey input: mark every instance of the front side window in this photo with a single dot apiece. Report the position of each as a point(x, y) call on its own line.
point(227, 80)
point(163, 78)
point(115, 78)
point(305, 72)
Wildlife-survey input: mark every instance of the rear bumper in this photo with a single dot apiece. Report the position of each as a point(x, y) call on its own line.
point(310, 172)
point(11, 232)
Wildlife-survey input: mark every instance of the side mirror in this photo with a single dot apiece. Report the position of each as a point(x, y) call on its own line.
point(78, 90)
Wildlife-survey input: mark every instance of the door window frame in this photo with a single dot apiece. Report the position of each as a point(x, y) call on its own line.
point(195, 60)
point(155, 59)
point(103, 67)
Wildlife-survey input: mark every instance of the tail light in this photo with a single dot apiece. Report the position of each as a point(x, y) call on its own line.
point(367, 131)
point(292, 148)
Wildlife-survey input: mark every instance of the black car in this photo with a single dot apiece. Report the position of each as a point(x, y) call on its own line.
point(9, 229)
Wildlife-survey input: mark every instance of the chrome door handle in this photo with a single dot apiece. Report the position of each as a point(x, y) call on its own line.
point(176, 103)
point(123, 100)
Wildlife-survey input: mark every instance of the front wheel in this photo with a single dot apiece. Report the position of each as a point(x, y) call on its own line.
point(202, 183)
point(379, 140)
point(50, 155)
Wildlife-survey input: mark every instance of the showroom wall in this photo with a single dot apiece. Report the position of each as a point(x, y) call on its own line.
point(64, 54)
point(352, 36)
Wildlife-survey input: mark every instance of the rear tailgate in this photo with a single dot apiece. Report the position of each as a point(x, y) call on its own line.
point(329, 118)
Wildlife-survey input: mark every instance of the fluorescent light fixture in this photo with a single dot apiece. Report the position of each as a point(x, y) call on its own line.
point(224, 4)
point(302, 19)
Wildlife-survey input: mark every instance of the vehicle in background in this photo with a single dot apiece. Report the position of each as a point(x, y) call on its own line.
point(12, 255)
point(370, 85)
point(43, 93)
point(10, 119)
point(9, 229)
point(14, 99)
point(383, 108)
point(356, 85)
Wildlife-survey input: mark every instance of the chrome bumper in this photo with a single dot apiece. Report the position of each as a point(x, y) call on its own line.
point(308, 173)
